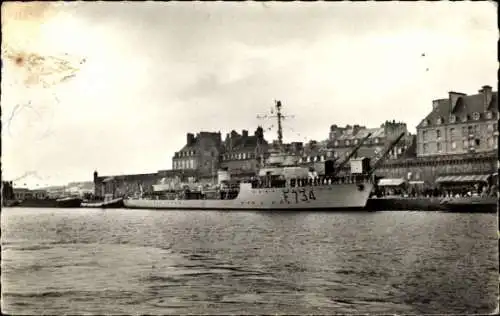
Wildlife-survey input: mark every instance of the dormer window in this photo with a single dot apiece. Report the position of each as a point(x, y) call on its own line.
point(356, 141)
point(425, 123)
point(376, 140)
point(347, 143)
point(488, 115)
point(439, 121)
point(336, 143)
point(465, 118)
point(475, 116)
point(452, 118)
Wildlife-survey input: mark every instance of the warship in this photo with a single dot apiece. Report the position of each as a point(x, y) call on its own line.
point(281, 184)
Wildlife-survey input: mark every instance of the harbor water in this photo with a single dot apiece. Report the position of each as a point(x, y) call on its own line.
point(91, 261)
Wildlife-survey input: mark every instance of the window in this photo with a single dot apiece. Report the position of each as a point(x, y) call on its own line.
point(452, 118)
point(495, 127)
point(466, 144)
point(490, 142)
point(452, 132)
point(476, 129)
point(477, 142)
point(453, 145)
point(488, 115)
point(475, 116)
point(356, 141)
point(376, 140)
point(438, 134)
point(424, 136)
point(426, 148)
point(347, 143)
point(470, 130)
point(439, 121)
point(438, 147)
point(424, 123)
point(336, 143)
point(490, 127)
point(465, 118)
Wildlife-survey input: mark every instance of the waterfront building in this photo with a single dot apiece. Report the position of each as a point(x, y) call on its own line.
point(460, 124)
point(119, 185)
point(24, 193)
point(242, 154)
point(343, 140)
point(201, 153)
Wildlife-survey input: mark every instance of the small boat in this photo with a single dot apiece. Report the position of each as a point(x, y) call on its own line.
point(47, 203)
point(69, 202)
point(112, 203)
point(399, 203)
point(471, 204)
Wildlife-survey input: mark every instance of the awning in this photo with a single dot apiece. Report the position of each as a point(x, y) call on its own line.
point(391, 182)
point(461, 179)
point(416, 182)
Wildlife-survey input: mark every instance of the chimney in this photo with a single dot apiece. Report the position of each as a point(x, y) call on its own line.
point(487, 93)
point(190, 139)
point(356, 129)
point(244, 133)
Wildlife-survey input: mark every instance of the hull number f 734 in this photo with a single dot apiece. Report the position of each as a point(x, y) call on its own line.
point(297, 196)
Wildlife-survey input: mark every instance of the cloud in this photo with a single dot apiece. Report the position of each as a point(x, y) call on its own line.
point(154, 71)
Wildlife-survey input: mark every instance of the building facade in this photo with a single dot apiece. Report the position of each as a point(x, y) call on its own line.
point(124, 185)
point(344, 139)
point(460, 124)
point(242, 154)
point(429, 169)
point(201, 154)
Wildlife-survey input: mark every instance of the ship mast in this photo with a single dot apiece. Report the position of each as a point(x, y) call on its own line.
point(279, 117)
point(280, 129)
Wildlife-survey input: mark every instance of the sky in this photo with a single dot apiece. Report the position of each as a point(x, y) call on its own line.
point(115, 87)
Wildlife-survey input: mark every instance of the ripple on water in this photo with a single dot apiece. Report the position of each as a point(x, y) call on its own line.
point(57, 262)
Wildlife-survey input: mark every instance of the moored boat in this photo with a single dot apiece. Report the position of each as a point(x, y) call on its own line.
point(36, 203)
point(306, 194)
point(282, 184)
point(471, 204)
point(69, 202)
point(112, 203)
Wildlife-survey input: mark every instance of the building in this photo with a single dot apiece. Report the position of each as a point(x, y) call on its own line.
point(7, 190)
point(80, 189)
point(201, 154)
point(460, 124)
point(26, 194)
point(124, 185)
point(242, 154)
point(344, 139)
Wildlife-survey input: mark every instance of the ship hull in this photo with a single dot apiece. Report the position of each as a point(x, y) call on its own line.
point(328, 197)
point(115, 203)
point(69, 202)
point(470, 205)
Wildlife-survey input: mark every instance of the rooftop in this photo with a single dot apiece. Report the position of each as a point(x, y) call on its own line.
point(459, 106)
